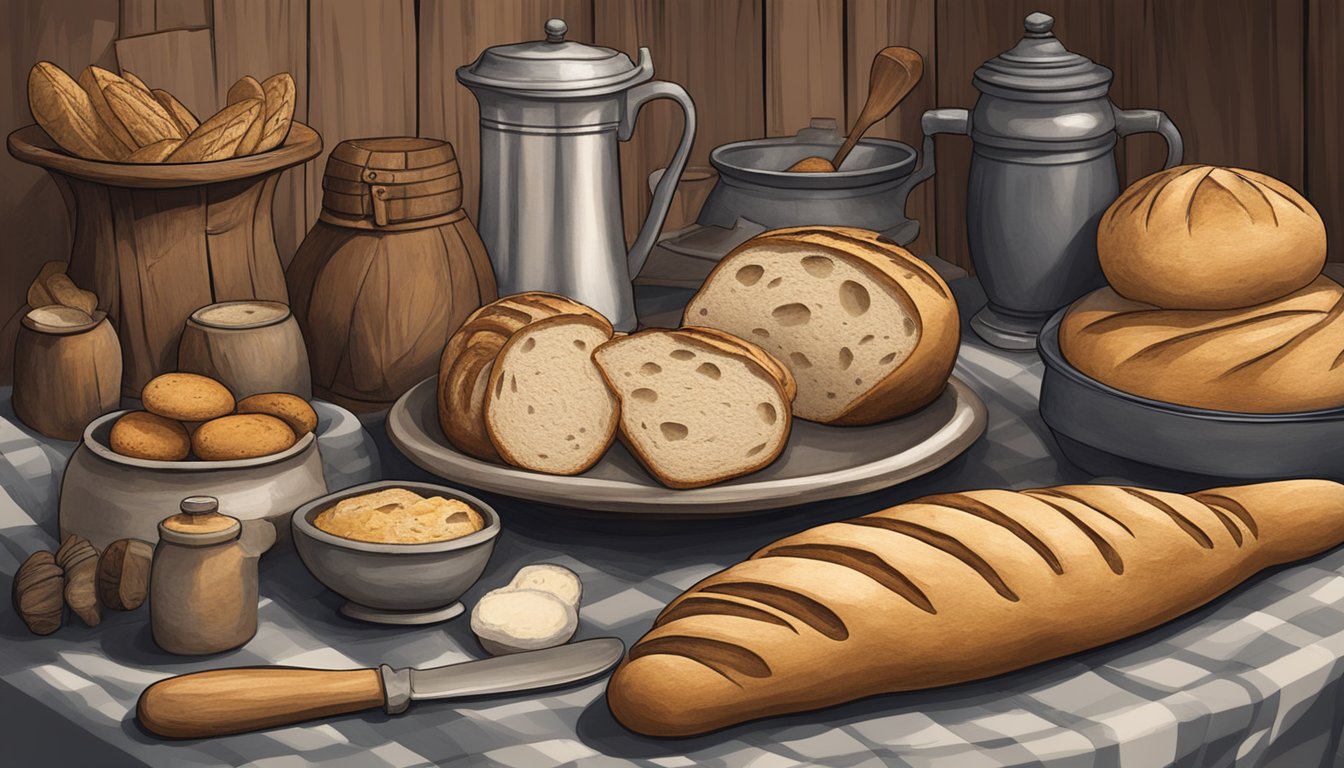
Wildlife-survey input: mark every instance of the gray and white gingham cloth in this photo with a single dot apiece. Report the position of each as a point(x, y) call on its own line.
point(1252, 679)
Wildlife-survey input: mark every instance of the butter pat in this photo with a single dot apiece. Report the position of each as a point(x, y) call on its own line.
point(514, 620)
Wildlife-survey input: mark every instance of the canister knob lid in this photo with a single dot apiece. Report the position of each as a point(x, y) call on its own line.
point(199, 523)
point(1039, 23)
point(1040, 68)
point(555, 65)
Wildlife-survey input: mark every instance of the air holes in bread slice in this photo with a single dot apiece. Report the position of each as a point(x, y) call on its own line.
point(908, 325)
point(799, 360)
point(750, 274)
point(767, 412)
point(774, 283)
point(792, 314)
point(755, 449)
point(846, 358)
point(681, 354)
point(866, 339)
point(650, 369)
point(818, 266)
point(709, 370)
point(645, 395)
point(854, 298)
point(580, 344)
point(887, 359)
point(764, 334)
point(529, 344)
point(674, 431)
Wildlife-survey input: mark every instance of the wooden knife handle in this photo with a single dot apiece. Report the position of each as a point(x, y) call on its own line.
point(224, 701)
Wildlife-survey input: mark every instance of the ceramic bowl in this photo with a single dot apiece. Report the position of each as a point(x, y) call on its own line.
point(106, 496)
point(1107, 431)
point(395, 583)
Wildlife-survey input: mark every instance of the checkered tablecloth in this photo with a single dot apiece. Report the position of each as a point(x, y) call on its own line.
point(1252, 679)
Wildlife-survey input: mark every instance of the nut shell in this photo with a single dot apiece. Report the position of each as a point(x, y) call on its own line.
point(79, 560)
point(37, 593)
point(123, 574)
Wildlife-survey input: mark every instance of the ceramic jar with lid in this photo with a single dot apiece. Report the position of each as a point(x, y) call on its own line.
point(1043, 135)
point(203, 583)
point(388, 272)
point(67, 370)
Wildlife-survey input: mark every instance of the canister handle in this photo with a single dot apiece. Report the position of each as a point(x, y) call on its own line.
point(635, 99)
point(934, 121)
point(1130, 121)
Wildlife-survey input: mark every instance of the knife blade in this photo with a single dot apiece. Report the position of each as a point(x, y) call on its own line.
point(224, 701)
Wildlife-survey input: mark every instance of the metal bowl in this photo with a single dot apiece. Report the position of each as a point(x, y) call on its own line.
point(1110, 432)
point(106, 496)
point(395, 583)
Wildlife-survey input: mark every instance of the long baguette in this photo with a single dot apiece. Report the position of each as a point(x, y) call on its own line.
point(951, 588)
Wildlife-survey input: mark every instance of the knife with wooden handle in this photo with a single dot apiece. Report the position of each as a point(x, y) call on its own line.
point(225, 701)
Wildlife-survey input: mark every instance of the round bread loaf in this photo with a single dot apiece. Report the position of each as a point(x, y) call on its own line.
point(144, 435)
point(1278, 357)
point(1203, 237)
point(291, 409)
point(187, 397)
point(241, 436)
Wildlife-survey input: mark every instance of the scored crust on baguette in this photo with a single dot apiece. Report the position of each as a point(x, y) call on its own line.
point(698, 406)
point(469, 357)
point(869, 331)
point(1282, 356)
point(219, 137)
point(64, 110)
point(952, 588)
point(547, 408)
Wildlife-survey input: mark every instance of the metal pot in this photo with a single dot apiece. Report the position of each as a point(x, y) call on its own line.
point(552, 112)
point(868, 191)
point(1042, 174)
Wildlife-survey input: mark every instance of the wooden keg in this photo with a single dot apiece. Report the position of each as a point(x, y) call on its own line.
point(389, 271)
point(67, 370)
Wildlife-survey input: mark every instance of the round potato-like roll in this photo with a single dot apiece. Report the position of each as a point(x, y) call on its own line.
point(1203, 237)
point(187, 397)
point(241, 436)
point(144, 435)
point(291, 409)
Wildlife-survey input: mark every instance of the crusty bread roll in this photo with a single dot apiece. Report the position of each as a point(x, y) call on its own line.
point(951, 588)
point(469, 359)
point(869, 331)
point(1202, 237)
point(698, 406)
point(1279, 357)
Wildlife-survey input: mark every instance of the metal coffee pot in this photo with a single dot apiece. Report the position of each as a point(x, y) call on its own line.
point(552, 112)
point(1042, 174)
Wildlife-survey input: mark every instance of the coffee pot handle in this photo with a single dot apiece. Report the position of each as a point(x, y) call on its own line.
point(1129, 121)
point(635, 99)
point(933, 122)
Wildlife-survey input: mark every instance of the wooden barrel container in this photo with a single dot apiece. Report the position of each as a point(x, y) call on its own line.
point(67, 370)
point(389, 271)
point(249, 346)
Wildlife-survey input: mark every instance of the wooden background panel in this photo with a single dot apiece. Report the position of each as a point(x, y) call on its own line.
point(361, 76)
point(452, 34)
point(870, 26)
point(713, 48)
point(261, 38)
point(804, 64)
point(33, 216)
point(1324, 166)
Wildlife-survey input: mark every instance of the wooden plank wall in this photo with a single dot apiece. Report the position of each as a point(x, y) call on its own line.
point(1254, 83)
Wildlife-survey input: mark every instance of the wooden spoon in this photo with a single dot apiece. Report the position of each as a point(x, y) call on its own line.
point(896, 71)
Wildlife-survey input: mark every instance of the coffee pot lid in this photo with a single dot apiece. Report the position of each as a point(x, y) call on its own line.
point(555, 66)
point(199, 523)
point(1040, 64)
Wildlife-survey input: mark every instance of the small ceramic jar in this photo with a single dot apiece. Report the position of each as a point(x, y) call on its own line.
point(250, 347)
point(67, 370)
point(203, 583)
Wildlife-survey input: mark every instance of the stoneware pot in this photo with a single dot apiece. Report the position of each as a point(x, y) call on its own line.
point(249, 346)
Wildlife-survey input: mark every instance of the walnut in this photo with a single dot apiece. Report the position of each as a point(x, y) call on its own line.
point(79, 559)
point(123, 574)
point(37, 593)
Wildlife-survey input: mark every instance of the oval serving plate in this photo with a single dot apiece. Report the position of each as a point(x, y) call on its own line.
point(819, 462)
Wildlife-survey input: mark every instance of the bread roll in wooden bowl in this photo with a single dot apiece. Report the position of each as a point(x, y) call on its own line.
point(1204, 237)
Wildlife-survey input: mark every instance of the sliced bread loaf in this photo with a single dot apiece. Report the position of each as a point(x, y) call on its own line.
point(547, 408)
point(698, 406)
point(469, 359)
point(869, 331)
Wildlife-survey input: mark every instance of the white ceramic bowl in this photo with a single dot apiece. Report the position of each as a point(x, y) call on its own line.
point(396, 583)
point(106, 496)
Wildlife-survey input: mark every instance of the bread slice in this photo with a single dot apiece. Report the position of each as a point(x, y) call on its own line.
point(547, 408)
point(869, 331)
point(697, 405)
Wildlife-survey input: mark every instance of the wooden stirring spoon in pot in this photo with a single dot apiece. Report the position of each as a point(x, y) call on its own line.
point(896, 71)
